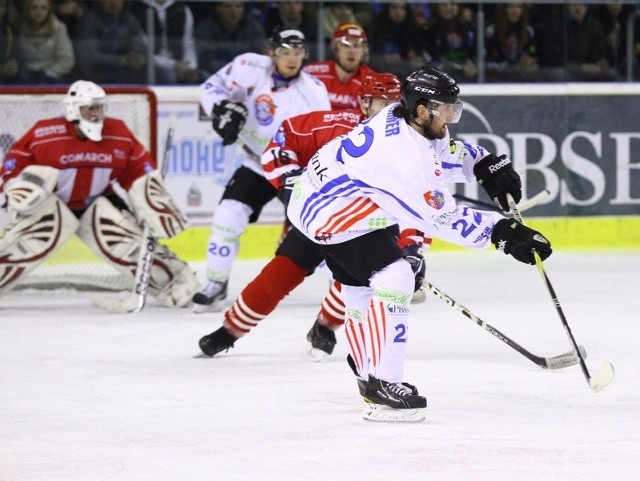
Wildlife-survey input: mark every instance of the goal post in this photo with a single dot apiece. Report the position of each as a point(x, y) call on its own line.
point(74, 265)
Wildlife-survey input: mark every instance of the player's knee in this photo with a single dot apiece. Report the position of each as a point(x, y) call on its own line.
point(230, 219)
point(397, 276)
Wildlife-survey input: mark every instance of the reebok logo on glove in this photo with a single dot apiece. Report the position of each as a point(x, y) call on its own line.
point(496, 167)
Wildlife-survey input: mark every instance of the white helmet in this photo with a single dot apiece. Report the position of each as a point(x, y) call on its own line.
point(83, 93)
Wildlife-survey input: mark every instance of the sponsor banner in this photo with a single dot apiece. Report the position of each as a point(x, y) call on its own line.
point(584, 148)
point(198, 166)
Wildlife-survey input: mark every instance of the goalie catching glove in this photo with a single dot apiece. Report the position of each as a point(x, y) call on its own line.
point(228, 118)
point(518, 240)
point(497, 176)
point(154, 205)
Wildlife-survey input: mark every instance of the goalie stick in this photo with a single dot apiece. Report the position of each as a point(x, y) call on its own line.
point(556, 362)
point(603, 376)
point(137, 299)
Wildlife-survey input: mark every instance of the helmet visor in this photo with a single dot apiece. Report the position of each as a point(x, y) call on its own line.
point(450, 113)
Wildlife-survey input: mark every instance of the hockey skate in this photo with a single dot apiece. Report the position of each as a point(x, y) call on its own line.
point(211, 298)
point(217, 341)
point(320, 342)
point(392, 402)
point(362, 383)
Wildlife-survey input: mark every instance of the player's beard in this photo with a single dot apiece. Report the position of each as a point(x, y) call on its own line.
point(430, 132)
point(348, 69)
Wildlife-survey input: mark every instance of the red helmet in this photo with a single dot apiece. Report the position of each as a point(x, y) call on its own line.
point(349, 32)
point(380, 85)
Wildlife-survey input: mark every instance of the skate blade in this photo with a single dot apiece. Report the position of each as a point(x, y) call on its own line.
point(384, 414)
point(313, 353)
point(215, 306)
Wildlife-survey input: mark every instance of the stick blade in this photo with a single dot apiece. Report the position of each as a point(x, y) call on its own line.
point(602, 378)
point(565, 360)
point(114, 304)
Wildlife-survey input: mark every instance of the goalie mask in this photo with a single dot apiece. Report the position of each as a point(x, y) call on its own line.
point(85, 104)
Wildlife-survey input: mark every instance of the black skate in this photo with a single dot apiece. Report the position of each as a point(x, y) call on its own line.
point(392, 402)
point(217, 341)
point(210, 298)
point(362, 383)
point(321, 342)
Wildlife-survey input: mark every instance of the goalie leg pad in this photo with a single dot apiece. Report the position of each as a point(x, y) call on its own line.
point(116, 237)
point(31, 239)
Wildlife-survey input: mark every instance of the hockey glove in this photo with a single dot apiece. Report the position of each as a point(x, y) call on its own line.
point(512, 237)
point(497, 176)
point(288, 180)
point(228, 118)
point(414, 257)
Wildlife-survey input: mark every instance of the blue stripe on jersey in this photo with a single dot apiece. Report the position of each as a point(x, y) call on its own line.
point(341, 186)
point(449, 165)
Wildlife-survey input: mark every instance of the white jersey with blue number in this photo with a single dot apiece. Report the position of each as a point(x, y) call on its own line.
point(248, 79)
point(382, 173)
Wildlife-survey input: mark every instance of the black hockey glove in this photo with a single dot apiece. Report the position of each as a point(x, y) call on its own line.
point(498, 178)
point(518, 240)
point(414, 257)
point(288, 180)
point(228, 118)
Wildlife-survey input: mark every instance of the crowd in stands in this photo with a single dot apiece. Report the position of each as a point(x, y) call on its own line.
point(107, 41)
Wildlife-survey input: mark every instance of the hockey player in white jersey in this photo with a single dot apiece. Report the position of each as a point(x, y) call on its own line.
point(248, 99)
point(394, 168)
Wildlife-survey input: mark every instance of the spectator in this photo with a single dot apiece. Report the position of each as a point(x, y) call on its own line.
point(393, 36)
point(294, 14)
point(112, 47)
point(9, 49)
point(344, 74)
point(45, 45)
point(175, 49)
point(334, 15)
point(572, 47)
point(511, 52)
point(449, 42)
point(614, 17)
point(225, 34)
point(70, 12)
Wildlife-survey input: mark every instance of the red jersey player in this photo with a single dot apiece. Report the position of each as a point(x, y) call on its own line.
point(294, 144)
point(57, 179)
point(343, 75)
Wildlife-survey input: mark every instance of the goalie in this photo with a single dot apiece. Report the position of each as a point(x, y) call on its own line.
point(58, 179)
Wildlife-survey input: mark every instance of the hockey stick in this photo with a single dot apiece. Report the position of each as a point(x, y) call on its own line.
point(527, 204)
point(603, 377)
point(138, 298)
point(556, 362)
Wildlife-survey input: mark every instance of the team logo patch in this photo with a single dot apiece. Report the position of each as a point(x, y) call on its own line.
point(434, 198)
point(265, 109)
point(437, 172)
point(280, 138)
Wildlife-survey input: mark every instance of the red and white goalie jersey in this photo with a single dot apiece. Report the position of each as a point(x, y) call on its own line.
point(343, 95)
point(86, 167)
point(298, 138)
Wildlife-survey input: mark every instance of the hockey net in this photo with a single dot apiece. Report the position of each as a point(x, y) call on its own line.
point(74, 266)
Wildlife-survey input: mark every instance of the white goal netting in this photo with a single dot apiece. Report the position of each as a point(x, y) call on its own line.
point(74, 266)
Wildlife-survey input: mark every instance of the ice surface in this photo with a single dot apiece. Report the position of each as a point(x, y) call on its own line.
point(87, 395)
